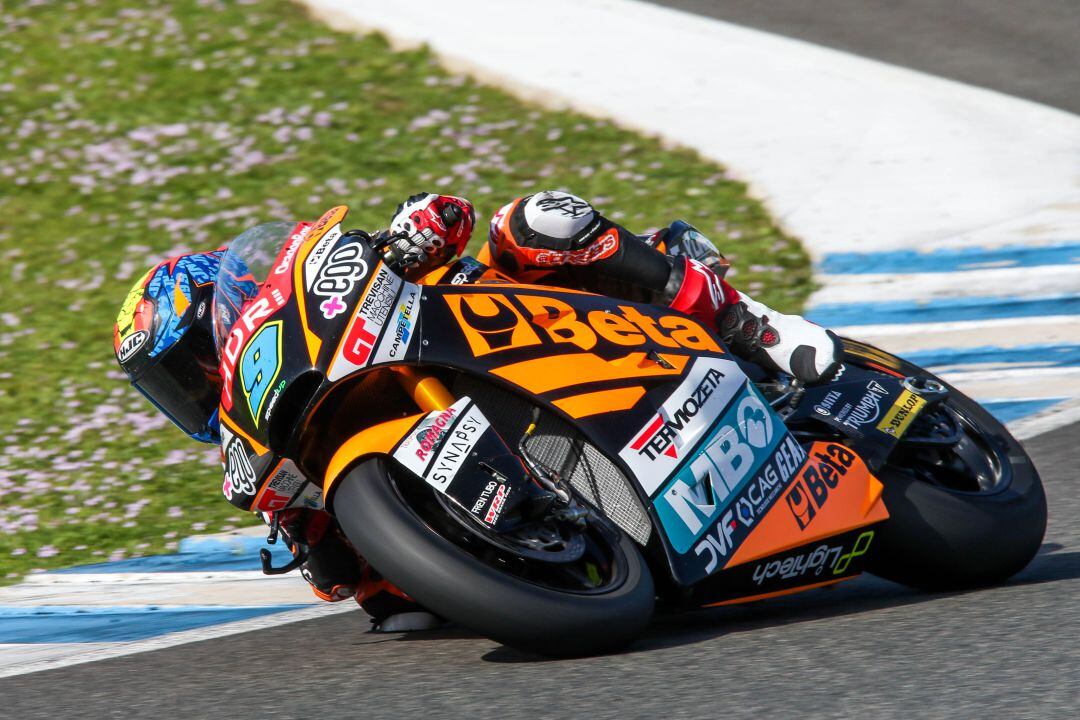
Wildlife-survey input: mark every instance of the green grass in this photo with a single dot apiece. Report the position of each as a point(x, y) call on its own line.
point(132, 130)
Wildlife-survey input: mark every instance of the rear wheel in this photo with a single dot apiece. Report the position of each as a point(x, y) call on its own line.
point(966, 505)
point(549, 589)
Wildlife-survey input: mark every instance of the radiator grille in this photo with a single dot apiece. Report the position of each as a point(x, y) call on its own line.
point(560, 447)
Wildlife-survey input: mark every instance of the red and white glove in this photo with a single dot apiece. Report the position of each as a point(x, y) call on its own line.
point(429, 229)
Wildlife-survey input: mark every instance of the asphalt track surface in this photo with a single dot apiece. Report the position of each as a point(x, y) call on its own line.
point(1027, 48)
point(866, 648)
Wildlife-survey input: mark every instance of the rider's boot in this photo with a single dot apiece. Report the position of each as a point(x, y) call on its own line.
point(788, 343)
point(335, 572)
point(391, 610)
point(755, 332)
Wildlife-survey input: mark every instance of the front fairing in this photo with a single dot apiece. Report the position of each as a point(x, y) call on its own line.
point(724, 481)
point(649, 387)
point(328, 308)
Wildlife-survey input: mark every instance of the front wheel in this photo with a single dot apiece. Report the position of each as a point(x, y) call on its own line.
point(966, 505)
point(594, 604)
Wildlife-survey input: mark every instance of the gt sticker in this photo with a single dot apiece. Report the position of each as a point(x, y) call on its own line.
point(260, 365)
point(367, 324)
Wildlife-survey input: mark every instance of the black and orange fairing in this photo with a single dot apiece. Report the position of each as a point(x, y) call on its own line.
point(586, 355)
point(281, 345)
point(726, 486)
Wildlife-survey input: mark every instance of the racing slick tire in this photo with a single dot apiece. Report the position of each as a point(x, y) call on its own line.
point(459, 586)
point(939, 537)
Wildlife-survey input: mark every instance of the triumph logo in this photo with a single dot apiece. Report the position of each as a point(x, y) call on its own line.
point(868, 409)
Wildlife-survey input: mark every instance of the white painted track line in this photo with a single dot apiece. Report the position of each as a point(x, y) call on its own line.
point(1009, 332)
point(1004, 282)
point(23, 659)
point(851, 154)
point(176, 588)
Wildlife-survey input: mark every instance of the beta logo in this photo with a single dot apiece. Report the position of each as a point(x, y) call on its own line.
point(496, 322)
point(810, 491)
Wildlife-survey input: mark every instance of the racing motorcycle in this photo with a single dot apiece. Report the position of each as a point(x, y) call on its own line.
point(544, 465)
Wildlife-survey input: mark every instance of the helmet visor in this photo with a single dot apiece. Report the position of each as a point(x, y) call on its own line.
point(184, 382)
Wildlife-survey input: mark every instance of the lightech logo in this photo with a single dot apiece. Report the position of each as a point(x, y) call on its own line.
point(660, 447)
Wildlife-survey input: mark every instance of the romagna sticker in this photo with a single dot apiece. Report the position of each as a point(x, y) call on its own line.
point(906, 408)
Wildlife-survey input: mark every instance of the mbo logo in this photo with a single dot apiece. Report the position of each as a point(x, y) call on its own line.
point(736, 449)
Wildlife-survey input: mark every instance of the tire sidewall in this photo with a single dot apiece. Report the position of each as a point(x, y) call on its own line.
point(936, 538)
point(448, 581)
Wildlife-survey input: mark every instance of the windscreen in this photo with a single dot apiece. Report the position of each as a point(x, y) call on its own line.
point(243, 270)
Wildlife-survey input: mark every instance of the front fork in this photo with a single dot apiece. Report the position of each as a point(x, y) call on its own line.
point(429, 394)
point(427, 391)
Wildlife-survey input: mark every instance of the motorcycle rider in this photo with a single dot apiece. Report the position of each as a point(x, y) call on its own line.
point(557, 238)
point(164, 340)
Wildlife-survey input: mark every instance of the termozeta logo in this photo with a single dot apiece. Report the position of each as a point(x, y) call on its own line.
point(662, 436)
